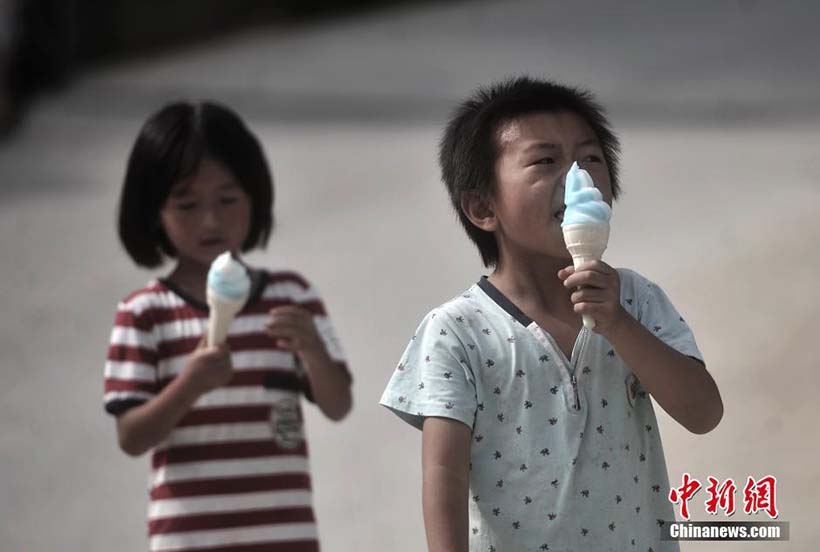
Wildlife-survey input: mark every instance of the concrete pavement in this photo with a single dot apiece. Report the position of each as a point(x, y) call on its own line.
point(718, 114)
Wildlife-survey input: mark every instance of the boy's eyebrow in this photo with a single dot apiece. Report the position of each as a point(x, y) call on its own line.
point(551, 146)
point(541, 146)
point(588, 142)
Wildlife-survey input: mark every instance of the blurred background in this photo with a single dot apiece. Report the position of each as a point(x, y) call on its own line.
point(717, 105)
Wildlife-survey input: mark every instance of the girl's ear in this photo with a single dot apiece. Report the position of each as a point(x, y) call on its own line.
point(479, 210)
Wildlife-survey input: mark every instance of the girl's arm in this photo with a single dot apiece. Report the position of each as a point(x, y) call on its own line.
point(446, 484)
point(142, 427)
point(293, 329)
point(329, 383)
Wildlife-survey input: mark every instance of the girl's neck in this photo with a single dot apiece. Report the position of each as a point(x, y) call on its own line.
point(190, 277)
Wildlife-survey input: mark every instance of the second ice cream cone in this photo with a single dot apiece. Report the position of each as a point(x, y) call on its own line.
point(222, 313)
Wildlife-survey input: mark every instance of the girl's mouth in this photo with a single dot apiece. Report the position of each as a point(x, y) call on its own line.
point(211, 242)
point(559, 214)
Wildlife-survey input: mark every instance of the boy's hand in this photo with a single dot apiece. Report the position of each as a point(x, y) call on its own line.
point(208, 367)
point(597, 294)
point(293, 330)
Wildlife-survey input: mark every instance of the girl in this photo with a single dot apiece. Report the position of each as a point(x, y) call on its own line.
point(229, 459)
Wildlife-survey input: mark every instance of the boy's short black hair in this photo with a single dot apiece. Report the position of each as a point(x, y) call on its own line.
point(468, 150)
point(168, 149)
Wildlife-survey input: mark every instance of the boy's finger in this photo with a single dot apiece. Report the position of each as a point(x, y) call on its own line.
point(587, 278)
point(566, 272)
point(595, 266)
point(589, 295)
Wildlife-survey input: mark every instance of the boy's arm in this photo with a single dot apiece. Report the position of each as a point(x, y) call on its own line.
point(142, 427)
point(446, 484)
point(680, 384)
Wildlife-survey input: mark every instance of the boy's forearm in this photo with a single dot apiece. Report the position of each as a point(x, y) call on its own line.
point(444, 504)
point(142, 427)
point(680, 384)
point(329, 383)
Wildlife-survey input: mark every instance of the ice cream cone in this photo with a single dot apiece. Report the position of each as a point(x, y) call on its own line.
point(222, 313)
point(226, 292)
point(586, 242)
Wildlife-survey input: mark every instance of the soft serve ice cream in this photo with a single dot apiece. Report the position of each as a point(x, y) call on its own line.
point(228, 278)
point(228, 288)
point(585, 204)
point(586, 221)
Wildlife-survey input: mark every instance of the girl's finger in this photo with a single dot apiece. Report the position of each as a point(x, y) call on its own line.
point(288, 329)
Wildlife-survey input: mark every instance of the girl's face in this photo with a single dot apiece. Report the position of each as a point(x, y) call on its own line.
point(206, 214)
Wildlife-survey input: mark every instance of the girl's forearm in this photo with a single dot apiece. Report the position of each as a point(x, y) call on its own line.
point(144, 426)
point(680, 384)
point(329, 383)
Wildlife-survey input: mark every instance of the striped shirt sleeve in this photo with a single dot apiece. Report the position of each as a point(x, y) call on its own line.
point(131, 365)
point(305, 295)
point(310, 300)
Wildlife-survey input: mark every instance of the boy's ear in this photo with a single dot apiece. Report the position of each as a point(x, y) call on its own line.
point(479, 210)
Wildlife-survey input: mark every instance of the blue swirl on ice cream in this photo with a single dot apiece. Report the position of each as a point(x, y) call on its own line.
point(229, 278)
point(585, 204)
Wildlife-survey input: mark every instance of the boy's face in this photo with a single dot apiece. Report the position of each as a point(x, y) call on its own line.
point(534, 154)
point(207, 214)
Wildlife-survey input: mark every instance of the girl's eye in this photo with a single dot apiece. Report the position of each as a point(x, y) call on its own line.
point(186, 205)
point(228, 200)
point(545, 161)
point(591, 159)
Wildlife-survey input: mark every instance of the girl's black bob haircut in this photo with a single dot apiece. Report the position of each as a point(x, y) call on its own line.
point(468, 150)
point(169, 149)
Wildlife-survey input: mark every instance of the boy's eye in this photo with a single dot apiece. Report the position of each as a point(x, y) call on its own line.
point(186, 205)
point(591, 159)
point(228, 200)
point(545, 161)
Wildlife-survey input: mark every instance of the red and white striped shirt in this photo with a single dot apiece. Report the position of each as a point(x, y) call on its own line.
point(233, 475)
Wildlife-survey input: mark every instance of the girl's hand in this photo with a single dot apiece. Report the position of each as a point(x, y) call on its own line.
point(597, 294)
point(208, 367)
point(293, 330)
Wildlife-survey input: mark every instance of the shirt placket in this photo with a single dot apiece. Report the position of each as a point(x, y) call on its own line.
point(568, 367)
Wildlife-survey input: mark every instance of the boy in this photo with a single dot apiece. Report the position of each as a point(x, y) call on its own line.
point(539, 429)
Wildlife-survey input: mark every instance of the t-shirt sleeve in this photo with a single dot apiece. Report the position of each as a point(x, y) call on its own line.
point(433, 377)
point(657, 314)
point(131, 365)
point(310, 300)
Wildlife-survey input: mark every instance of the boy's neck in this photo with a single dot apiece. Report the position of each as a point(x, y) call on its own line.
point(532, 284)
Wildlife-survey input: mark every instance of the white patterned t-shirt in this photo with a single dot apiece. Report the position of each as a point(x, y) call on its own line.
point(565, 453)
